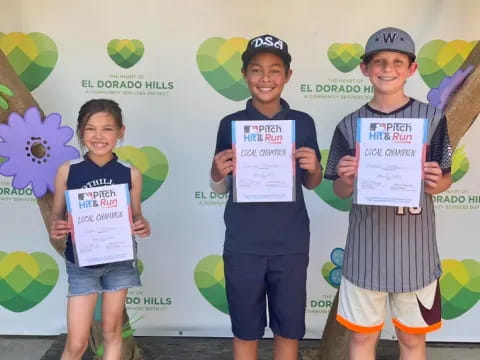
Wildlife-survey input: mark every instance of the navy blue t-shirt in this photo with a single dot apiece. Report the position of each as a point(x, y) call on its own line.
point(277, 228)
point(86, 174)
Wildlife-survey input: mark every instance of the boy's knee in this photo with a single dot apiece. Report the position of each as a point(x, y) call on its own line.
point(362, 339)
point(410, 341)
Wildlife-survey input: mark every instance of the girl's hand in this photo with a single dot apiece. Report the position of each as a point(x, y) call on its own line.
point(346, 169)
point(141, 227)
point(58, 229)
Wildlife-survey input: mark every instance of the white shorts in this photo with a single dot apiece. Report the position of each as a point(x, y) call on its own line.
point(362, 310)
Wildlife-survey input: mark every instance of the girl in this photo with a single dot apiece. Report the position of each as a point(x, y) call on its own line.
point(99, 127)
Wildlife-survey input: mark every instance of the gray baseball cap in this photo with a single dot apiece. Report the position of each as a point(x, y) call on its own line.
point(390, 39)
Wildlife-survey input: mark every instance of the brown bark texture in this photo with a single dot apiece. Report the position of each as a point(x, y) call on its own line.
point(336, 338)
point(464, 106)
point(19, 101)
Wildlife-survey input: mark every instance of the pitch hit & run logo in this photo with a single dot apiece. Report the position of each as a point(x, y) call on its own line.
point(397, 132)
point(270, 134)
point(101, 198)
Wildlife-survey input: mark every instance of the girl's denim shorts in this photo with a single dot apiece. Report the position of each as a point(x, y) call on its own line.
point(109, 277)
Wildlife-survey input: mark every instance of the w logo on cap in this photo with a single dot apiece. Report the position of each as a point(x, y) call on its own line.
point(389, 37)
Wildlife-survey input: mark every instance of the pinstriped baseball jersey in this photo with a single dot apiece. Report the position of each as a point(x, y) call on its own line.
point(389, 248)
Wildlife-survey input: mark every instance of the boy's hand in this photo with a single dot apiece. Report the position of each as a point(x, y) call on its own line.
point(58, 229)
point(346, 169)
point(307, 159)
point(435, 180)
point(222, 165)
point(141, 227)
point(432, 174)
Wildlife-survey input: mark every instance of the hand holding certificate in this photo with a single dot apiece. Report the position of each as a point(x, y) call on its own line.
point(391, 153)
point(264, 168)
point(101, 224)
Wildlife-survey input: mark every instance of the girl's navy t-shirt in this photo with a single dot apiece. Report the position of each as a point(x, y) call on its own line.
point(84, 173)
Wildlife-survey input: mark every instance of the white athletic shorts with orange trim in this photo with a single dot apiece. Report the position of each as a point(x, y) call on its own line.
point(362, 310)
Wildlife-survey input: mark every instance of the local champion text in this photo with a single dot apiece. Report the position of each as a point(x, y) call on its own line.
point(263, 152)
point(389, 152)
point(100, 217)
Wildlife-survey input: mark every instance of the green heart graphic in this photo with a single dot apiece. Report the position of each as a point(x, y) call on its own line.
point(210, 281)
point(438, 59)
point(460, 164)
point(345, 57)
point(151, 162)
point(26, 279)
point(125, 53)
point(460, 284)
point(219, 61)
point(325, 190)
point(33, 56)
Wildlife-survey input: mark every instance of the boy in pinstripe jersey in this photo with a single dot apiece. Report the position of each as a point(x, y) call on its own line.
point(391, 253)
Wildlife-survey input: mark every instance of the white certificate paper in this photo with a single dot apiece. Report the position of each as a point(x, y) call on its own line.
point(390, 153)
point(100, 218)
point(264, 166)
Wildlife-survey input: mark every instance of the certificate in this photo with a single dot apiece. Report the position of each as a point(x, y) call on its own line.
point(390, 153)
point(264, 162)
point(100, 221)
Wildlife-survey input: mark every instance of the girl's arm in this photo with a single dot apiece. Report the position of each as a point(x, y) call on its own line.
point(58, 227)
point(140, 225)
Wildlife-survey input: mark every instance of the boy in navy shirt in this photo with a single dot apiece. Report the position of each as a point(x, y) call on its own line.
point(266, 243)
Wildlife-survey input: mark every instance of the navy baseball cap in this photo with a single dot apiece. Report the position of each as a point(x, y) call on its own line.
point(390, 39)
point(266, 43)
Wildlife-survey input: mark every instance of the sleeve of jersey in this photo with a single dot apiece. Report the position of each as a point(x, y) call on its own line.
point(338, 149)
point(440, 148)
point(312, 140)
point(224, 136)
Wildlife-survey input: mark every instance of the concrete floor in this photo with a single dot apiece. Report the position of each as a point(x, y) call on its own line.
point(24, 347)
point(165, 348)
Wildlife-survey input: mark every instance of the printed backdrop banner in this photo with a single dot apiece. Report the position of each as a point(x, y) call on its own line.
point(174, 67)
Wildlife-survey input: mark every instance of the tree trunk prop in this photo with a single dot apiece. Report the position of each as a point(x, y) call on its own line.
point(462, 109)
point(464, 105)
point(15, 97)
point(336, 338)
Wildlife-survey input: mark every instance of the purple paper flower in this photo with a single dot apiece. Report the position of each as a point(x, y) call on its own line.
point(34, 149)
point(439, 96)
